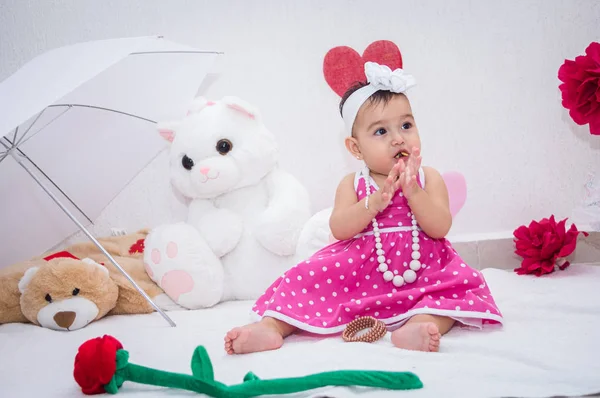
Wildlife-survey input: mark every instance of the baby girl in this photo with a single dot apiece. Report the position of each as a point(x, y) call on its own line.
point(391, 260)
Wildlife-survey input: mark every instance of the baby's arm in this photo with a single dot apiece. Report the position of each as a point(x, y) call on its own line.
point(349, 216)
point(431, 205)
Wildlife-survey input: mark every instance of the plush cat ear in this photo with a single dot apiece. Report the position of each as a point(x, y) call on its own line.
point(198, 104)
point(27, 277)
point(167, 130)
point(244, 108)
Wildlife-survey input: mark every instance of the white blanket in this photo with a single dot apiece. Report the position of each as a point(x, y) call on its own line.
point(547, 347)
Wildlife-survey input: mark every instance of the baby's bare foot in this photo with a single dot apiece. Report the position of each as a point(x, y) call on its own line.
point(423, 336)
point(252, 338)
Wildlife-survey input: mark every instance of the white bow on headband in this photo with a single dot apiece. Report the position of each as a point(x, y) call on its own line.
point(379, 77)
point(382, 77)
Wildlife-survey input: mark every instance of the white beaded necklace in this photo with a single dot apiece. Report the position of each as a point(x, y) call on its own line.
point(410, 275)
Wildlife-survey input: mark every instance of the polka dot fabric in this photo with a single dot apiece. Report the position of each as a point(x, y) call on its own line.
point(340, 282)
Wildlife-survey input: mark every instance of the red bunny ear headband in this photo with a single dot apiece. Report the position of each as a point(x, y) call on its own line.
point(380, 66)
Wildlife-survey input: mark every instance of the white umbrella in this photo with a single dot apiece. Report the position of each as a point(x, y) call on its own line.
point(77, 124)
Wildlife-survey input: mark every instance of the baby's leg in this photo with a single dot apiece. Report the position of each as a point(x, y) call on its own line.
point(422, 332)
point(268, 334)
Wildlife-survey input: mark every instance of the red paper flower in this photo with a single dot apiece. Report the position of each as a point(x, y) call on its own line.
point(581, 87)
point(96, 363)
point(544, 245)
point(137, 247)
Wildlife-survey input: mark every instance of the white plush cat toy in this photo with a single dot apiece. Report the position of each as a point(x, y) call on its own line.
point(245, 214)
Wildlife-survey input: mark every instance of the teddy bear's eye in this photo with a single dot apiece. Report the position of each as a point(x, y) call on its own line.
point(187, 162)
point(75, 291)
point(224, 146)
point(48, 298)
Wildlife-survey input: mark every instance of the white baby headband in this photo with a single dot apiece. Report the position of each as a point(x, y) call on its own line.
point(379, 77)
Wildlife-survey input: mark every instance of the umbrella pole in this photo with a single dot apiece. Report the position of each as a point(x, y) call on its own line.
point(89, 235)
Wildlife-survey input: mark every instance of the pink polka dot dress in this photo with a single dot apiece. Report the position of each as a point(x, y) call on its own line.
point(342, 281)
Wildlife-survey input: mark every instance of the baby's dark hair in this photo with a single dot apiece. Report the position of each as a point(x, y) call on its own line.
point(377, 97)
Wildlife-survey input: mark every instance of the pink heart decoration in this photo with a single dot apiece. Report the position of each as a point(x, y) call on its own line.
point(457, 190)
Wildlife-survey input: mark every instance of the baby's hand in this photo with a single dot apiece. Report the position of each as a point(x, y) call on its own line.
point(391, 185)
point(409, 173)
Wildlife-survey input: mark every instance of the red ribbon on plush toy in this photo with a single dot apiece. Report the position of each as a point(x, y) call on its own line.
point(63, 254)
point(102, 365)
point(137, 247)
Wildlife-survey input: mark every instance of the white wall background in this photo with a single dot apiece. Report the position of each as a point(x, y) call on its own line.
point(487, 104)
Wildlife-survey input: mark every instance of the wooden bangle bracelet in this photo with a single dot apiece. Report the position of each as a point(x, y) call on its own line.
point(378, 330)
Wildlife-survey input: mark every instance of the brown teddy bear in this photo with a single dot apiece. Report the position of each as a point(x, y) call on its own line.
point(67, 290)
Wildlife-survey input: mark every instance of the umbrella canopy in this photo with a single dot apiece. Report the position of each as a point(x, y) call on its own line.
point(77, 124)
point(82, 118)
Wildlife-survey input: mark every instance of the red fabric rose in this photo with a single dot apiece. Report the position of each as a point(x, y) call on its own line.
point(581, 87)
point(544, 245)
point(96, 363)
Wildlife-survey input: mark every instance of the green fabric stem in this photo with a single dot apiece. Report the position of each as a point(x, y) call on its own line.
point(203, 381)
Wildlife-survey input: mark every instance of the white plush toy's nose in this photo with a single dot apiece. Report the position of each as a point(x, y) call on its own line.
point(204, 170)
